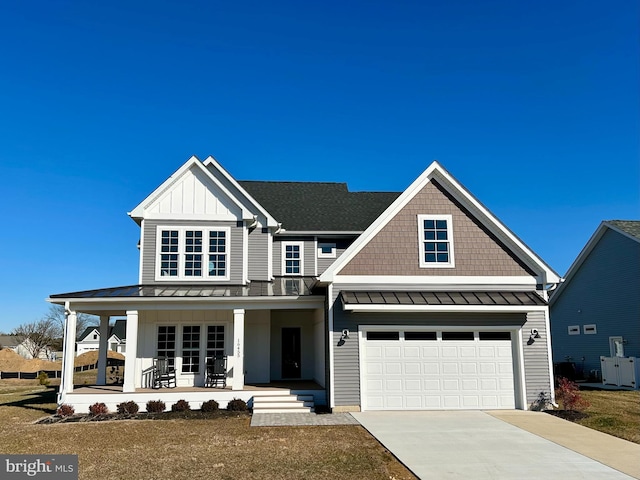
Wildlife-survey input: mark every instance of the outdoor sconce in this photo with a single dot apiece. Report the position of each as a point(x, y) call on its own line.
point(534, 334)
point(345, 334)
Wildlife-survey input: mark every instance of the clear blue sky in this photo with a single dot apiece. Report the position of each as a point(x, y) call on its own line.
point(533, 106)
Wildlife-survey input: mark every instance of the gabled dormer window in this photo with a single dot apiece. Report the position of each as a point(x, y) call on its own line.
point(292, 258)
point(190, 253)
point(435, 239)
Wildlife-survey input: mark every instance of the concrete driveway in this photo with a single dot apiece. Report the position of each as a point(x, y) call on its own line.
point(477, 445)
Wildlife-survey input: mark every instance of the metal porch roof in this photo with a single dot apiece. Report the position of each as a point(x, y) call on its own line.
point(492, 299)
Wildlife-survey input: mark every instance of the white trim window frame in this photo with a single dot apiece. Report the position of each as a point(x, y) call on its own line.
point(326, 250)
point(192, 253)
point(293, 258)
point(435, 241)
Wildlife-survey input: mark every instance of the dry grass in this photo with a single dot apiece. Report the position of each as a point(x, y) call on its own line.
point(614, 412)
point(224, 448)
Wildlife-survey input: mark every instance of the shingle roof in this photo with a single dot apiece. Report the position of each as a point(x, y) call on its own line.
point(632, 227)
point(87, 331)
point(319, 206)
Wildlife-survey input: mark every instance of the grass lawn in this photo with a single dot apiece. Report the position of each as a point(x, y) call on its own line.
point(221, 448)
point(614, 412)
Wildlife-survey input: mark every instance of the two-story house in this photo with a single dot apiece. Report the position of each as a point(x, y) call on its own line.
point(419, 299)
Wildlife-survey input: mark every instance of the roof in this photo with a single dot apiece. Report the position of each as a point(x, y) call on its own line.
point(319, 206)
point(119, 329)
point(443, 298)
point(631, 227)
point(281, 287)
point(9, 341)
point(87, 331)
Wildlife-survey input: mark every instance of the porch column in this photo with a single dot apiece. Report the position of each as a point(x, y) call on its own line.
point(238, 349)
point(69, 350)
point(103, 346)
point(132, 352)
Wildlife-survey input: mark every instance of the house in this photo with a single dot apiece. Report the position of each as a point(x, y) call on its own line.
point(595, 312)
point(25, 347)
point(419, 299)
point(89, 340)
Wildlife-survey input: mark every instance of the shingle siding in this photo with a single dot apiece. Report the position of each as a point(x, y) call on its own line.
point(395, 250)
point(605, 291)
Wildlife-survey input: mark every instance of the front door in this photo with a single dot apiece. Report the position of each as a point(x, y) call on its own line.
point(291, 352)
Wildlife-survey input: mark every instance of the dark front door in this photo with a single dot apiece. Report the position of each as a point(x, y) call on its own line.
point(291, 352)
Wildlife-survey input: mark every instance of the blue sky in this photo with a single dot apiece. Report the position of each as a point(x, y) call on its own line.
point(533, 106)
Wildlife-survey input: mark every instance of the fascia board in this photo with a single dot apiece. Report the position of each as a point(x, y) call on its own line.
point(193, 162)
point(441, 283)
point(582, 256)
point(437, 172)
point(271, 222)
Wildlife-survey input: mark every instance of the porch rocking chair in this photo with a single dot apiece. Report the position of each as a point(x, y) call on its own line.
point(164, 375)
point(216, 372)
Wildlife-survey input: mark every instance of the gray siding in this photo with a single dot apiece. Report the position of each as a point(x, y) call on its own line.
point(308, 252)
point(604, 291)
point(536, 358)
point(149, 250)
point(259, 254)
point(341, 246)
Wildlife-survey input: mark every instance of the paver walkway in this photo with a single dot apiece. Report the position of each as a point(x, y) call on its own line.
point(301, 419)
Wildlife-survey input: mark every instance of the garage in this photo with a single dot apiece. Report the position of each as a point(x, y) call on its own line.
point(436, 369)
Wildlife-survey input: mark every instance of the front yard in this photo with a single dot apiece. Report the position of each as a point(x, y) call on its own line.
point(224, 448)
point(614, 412)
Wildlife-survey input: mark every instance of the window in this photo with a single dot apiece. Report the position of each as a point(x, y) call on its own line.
point(166, 346)
point(435, 238)
point(326, 250)
point(383, 335)
point(182, 254)
point(420, 336)
point(457, 336)
point(292, 258)
point(494, 336)
point(215, 341)
point(191, 349)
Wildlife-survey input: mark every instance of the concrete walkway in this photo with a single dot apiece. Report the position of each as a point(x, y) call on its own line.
point(301, 419)
point(495, 445)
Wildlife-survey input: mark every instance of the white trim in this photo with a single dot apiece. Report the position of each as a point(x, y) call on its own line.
point(394, 308)
point(141, 252)
point(321, 254)
point(270, 256)
point(245, 255)
point(435, 171)
point(517, 351)
point(421, 241)
point(181, 277)
point(547, 326)
point(283, 246)
point(331, 302)
point(443, 282)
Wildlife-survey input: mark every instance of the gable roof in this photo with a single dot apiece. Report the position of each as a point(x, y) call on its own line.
point(319, 206)
point(119, 329)
point(627, 228)
point(10, 341)
point(87, 331)
point(436, 172)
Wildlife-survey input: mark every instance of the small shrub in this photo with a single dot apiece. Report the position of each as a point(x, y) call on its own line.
point(180, 406)
point(156, 406)
point(65, 410)
point(237, 405)
point(129, 407)
point(43, 378)
point(568, 394)
point(209, 406)
point(98, 408)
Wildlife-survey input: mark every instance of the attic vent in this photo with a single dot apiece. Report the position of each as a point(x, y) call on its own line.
point(589, 329)
point(573, 329)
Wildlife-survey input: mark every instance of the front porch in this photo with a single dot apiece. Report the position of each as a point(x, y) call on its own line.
point(84, 396)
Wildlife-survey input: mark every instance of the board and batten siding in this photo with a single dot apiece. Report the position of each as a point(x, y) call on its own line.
point(605, 292)
point(258, 268)
point(149, 250)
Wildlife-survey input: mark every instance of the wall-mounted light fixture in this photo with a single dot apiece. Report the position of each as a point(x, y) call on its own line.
point(345, 334)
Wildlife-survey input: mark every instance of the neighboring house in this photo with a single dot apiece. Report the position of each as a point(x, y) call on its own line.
point(89, 340)
point(366, 300)
point(596, 311)
point(22, 347)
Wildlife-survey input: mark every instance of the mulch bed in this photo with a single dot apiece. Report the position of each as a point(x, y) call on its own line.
point(188, 414)
point(571, 415)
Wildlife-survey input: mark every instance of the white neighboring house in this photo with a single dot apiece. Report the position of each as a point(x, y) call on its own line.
point(90, 339)
point(22, 347)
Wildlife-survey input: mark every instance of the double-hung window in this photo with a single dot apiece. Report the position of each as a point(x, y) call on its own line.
point(193, 253)
point(292, 258)
point(435, 238)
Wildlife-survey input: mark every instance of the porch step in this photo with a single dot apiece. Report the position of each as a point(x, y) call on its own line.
point(283, 404)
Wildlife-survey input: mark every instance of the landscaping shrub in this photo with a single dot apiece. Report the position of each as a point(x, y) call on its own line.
point(98, 408)
point(209, 406)
point(180, 406)
point(43, 378)
point(237, 405)
point(568, 394)
point(129, 407)
point(65, 410)
point(156, 406)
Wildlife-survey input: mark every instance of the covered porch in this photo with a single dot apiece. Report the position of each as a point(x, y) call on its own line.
point(267, 336)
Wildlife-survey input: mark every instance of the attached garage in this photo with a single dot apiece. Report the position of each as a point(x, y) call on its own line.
point(413, 368)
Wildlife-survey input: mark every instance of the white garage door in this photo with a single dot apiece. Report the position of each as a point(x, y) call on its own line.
point(432, 370)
